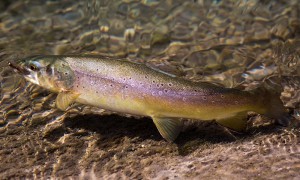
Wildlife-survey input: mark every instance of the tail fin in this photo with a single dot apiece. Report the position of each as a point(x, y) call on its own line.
point(273, 106)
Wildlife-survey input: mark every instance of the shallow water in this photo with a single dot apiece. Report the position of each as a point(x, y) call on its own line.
point(242, 44)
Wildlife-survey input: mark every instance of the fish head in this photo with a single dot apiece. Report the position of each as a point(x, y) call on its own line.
point(50, 72)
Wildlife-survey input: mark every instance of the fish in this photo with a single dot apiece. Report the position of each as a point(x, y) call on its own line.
point(119, 85)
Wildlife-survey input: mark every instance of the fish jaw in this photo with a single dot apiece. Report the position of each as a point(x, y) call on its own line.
point(33, 78)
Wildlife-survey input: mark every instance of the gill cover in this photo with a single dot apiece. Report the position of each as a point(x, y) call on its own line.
point(63, 74)
point(59, 77)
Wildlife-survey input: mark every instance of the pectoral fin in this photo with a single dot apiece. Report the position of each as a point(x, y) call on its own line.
point(64, 99)
point(169, 128)
point(237, 122)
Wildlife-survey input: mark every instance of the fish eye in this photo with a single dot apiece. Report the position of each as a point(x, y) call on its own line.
point(33, 66)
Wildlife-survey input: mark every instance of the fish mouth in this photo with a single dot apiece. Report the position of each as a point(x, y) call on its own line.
point(18, 68)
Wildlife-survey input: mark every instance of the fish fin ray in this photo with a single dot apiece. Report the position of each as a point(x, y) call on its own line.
point(236, 123)
point(64, 99)
point(169, 128)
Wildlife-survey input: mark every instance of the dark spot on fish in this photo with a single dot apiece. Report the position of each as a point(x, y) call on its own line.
point(204, 98)
point(111, 85)
point(146, 77)
point(165, 90)
point(126, 87)
point(157, 85)
point(97, 92)
point(97, 69)
point(222, 96)
point(49, 70)
point(195, 90)
point(162, 84)
point(236, 102)
point(153, 81)
point(170, 84)
point(66, 73)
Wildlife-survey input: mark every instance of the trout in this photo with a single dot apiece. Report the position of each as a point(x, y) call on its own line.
point(127, 87)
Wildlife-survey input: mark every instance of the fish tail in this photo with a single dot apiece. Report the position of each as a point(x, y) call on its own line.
point(272, 106)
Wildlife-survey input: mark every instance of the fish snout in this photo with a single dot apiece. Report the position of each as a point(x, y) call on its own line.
point(18, 68)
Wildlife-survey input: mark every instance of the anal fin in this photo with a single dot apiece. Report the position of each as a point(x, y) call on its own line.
point(237, 122)
point(169, 128)
point(64, 99)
